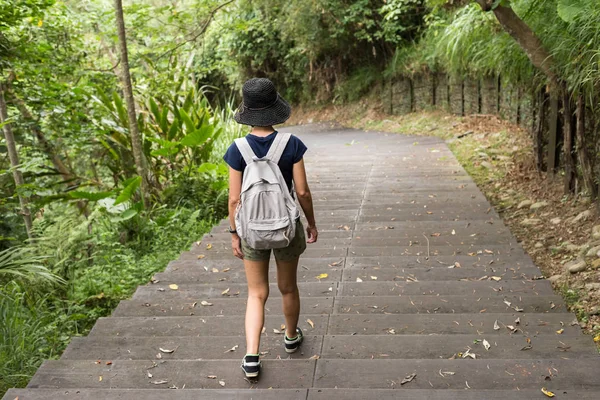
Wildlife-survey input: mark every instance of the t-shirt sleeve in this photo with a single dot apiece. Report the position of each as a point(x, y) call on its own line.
point(234, 158)
point(299, 149)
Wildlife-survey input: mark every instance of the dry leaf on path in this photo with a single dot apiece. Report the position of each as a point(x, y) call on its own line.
point(496, 278)
point(167, 350)
point(358, 280)
point(277, 331)
point(100, 378)
point(212, 377)
point(496, 326)
point(173, 287)
point(373, 278)
point(226, 270)
point(205, 303)
point(201, 256)
point(234, 348)
point(162, 382)
point(214, 270)
point(408, 379)
point(560, 331)
point(312, 324)
point(209, 246)
point(225, 292)
point(486, 344)
point(337, 263)
point(322, 276)
point(547, 392)
point(315, 357)
point(222, 383)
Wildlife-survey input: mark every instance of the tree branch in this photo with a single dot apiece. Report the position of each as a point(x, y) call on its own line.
point(196, 35)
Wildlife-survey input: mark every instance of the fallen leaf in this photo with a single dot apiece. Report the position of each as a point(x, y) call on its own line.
point(408, 379)
point(225, 292)
point(508, 303)
point(160, 382)
point(496, 278)
point(547, 392)
point(208, 246)
point(222, 383)
point(335, 264)
point(167, 350)
point(436, 234)
point(234, 348)
point(277, 331)
point(597, 339)
point(100, 378)
point(159, 356)
point(528, 347)
point(496, 326)
point(560, 331)
point(374, 278)
point(212, 377)
point(358, 280)
point(518, 320)
point(486, 344)
point(109, 363)
point(214, 270)
point(322, 276)
point(312, 324)
point(201, 256)
point(453, 232)
point(173, 287)
point(263, 330)
point(205, 303)
point(149, 374)
point(315, 357)
point(226, 270)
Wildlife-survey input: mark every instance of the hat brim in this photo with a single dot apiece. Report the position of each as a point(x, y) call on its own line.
point(276, 114)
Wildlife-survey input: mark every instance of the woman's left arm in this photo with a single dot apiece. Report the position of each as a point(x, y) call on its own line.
point(235, 188)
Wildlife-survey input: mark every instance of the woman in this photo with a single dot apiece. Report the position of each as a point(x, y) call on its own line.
point(262, 108)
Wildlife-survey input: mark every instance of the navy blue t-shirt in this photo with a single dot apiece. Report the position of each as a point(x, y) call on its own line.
point(294, 152)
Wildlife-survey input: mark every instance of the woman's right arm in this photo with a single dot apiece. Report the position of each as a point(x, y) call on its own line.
point(305, 200)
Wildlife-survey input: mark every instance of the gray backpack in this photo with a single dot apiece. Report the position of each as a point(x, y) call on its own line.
point(266, 215)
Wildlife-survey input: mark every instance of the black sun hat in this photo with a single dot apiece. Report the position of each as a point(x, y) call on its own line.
point(262, 105)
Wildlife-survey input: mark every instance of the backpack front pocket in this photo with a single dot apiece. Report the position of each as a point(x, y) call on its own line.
point(269, 233)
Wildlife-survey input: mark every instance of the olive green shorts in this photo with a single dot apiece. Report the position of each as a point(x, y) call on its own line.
point(290, 253)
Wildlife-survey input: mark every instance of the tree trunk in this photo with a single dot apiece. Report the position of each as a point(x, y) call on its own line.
point(136, 140)
point(46, 146)
point(582, 150)
point(14, 160)
point(568, 143)
point(539, 132)
point(525, 37)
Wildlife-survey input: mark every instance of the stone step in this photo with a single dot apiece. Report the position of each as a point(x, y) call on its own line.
point(468, 374)
point(325, 252)
point(194, 263)
point(515, 261)
point(191, 292)
point(222, 306)
point(438, 273)
point(445, 394)
point(201, 326)
point(373, 287)
point(390, 346)
point(157, 394)
point(293, 394)
point(192, 348)
point(445, 304)
point(529, 324)
point(190, 273)
point(502, 346)
point(431, 251)
point(193, 274)
point(126, 374)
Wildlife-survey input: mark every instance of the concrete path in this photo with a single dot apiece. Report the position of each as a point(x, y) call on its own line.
point(415, 290)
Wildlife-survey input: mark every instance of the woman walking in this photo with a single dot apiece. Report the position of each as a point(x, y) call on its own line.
point(257, 223)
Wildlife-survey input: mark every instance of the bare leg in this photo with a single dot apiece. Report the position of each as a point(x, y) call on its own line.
point(257, 275)
point(286, 280)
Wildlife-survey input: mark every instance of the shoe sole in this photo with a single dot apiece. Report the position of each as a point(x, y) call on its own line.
point(250, 374)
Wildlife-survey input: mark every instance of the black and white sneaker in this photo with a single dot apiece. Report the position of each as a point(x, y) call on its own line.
point(291, 345)
point(251, 366)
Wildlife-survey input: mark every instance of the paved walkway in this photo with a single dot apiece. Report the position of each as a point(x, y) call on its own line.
point(415, 290)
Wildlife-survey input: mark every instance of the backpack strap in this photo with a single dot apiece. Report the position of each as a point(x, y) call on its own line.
point(245, 149)
point(278, 146)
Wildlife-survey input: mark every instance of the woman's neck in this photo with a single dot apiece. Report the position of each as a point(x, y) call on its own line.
point(262, 130)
